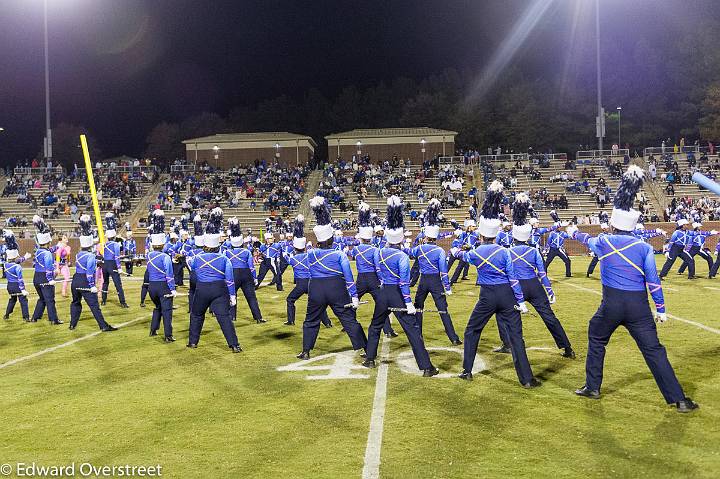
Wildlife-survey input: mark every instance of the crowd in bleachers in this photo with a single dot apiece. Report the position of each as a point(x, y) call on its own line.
point(704, 208)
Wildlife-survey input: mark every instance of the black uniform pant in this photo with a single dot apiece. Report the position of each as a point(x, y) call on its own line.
point(301, 287)
point(179, 272)
point(16, 297)
point(593, 262)
point(145, 285)
point(46, 298)
point(110, 271)
point(129, 266)
point(432, 284)
point(244, 282)
point(497, 299)
point(214, 296)
point(698, 251)
point(283, 265)
point(390, 296)
point(330, 292)
point(368, 283)
point(535, 294)
point(191, 289)
point(79, 288)
point(414, 273)
point(558, 253)
point(629, 309)
point(462, 267)
point(163, 307)
point(266, 265)
point(715, 267)
point(675, 251)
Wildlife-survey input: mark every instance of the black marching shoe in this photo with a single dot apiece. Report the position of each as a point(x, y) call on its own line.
point(391, 334)
point(56, 323)
point(456, 342)
point(288, 323)
point(430, 372)
point(328, 325)
point(259, 321)
point(305, 355)
point(588, 393)
point(32, 320)
point(153, 333)
point(108, 328)
point(27, 320)
point(532, 384)
point(124, 305)
point(169, 339)
point(71, 327)
point(6, 317)
point(102, 303)
point(466, 375)
point(502, 349)
point(569, 353)
point(191, 345)
point(363, 354)
point(142, 305)
point(686, 405)
point(236, 349)
point(693, 277)
point(369, 363)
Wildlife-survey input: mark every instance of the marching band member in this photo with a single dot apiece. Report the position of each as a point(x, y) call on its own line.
point(301, 273)
point(365, 263)
point(198, 247)
point(697, 247)
point(129, 249)
point(434, 272)
point(14, 274)
point(678, 241)
point(504, 237)
point(83, 281)
point(62, 258)
point(331, 284)
point(243, 271)
point(44, 278)
point(530, 271)
point(379, 240)
point(215, 287)
point(716, 266)
point(500, 292)
point(538, 233)
point(161, 284)
point(628, 271)
point(394, 273)
point(466, 241)
point(594, 261)
point(111, 262)
point(556, 241)
point(269, 254)
point(146, 280)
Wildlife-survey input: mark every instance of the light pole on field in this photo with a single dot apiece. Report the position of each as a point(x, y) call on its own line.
point(48, 131)
point(422, 142)
point(216, 152)
point(619, 109)
point(600, 120)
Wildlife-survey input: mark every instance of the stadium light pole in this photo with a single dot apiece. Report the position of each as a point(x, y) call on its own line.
point(216, 151)
point(619, 109)
point(600, 121)
point(359, 145)
point(48, 131)
point(422, 142)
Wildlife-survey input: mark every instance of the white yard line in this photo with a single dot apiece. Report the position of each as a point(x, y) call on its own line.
point(711, 287)
point(671, 316)
point(371, 466)
point(63, 345)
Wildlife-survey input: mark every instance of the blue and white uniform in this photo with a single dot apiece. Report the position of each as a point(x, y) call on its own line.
point(111, 265)
point(161, 282)
point(15, 286)
point(44, 265)
point(83, 280)
point(555, 244)
point(301, 277)
point(367, 275)
point(245, 277)
point(679, 240)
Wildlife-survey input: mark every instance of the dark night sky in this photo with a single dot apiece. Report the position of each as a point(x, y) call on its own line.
point(119, 67)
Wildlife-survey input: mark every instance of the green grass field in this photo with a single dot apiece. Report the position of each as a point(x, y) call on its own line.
point(126, 398)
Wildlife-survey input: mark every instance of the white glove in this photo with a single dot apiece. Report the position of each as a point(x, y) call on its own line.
point(453, 251)
point(256, 283)
point(571, 230)
point(410, 308)
point(552, 299)
point(173, 293)
point(660, 317)
point(24, 292)
point(355, 303)
point(27, 256)
point(564, 223)
point(448, 292)
point(233, 300)
point(94, 290)
point(522, 308)
point(51, 282)
point(713, 232)
point(662, 231)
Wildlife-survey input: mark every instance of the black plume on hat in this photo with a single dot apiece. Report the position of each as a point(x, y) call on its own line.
point(299, 227)
point(432, 213)
point(554, 216)
point(214, 223)
point(629, 186)
point(158, 222)
point(521, 208)
point(234, 225)
point(111, 221)
point(493, 200)
point(395, 219)
point(198, 226)
point(363, 214)
point(85, 224)
point(321, 210)
point(184, 222)
point(40, 224)
point(10, 241)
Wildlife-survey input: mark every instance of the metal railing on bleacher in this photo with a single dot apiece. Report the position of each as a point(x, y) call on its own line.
point(504, 158)
point(590, 154)
point(127, 169)
point(22, 170)
point(662, 150)
point(182, 168)
point(450, 160)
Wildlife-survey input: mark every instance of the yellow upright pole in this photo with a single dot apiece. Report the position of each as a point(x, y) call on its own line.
point(91, 180)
